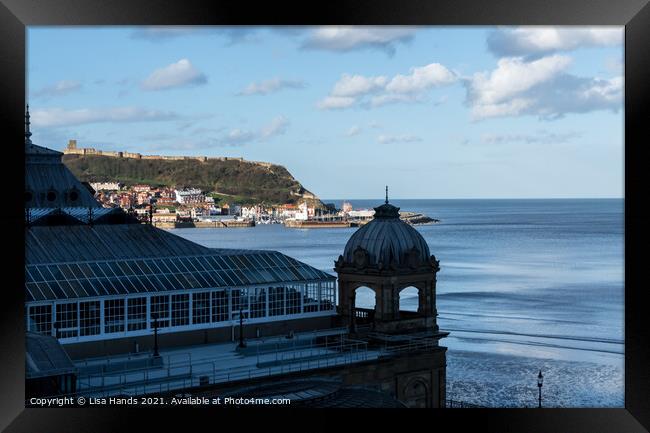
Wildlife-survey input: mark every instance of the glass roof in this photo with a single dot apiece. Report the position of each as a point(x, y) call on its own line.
point(144, 275)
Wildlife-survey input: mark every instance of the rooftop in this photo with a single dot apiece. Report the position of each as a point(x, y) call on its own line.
point(70, 279)
point(44, 356)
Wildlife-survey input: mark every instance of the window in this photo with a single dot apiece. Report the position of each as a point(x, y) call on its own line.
point(180, 310)
point(327, 296)
point(74, 195)
point(66, 320)
point(276, 301)
point(257, 302)
point(89, 318)
point(201, 307)
point(219, 306)
point(113, 315)
point(293, 300)
point(310, 300)
point(239, 303)
point(136, 313)
point(40, 319)
point(160, 307)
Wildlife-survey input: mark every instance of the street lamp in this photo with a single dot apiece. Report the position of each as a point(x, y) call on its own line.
point(155, 336)
point(242, 344)
point(540, 382)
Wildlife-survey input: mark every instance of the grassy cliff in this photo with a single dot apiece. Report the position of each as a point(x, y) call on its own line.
point(232, 180)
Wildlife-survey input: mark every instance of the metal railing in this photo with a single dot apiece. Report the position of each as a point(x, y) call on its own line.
point(449, 403)
point(173, 376)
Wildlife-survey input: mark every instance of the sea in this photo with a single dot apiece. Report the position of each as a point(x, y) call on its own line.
point(524, 286)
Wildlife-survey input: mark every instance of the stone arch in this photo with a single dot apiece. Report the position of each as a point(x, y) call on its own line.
point(365, 297)
point(417, 393)
point(408, 299)
point(364, 304)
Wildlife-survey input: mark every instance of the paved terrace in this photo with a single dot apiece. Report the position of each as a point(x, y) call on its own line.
point(186, 367)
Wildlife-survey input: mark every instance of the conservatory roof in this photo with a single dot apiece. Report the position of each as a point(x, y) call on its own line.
point(53, 281)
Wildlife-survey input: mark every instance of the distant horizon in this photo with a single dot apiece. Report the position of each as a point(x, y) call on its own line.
point(324, 200)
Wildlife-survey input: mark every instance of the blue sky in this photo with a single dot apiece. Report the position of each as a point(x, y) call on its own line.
point(434, 112)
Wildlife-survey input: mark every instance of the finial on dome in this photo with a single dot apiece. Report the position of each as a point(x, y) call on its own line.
point(28, 133)
point(386, 194)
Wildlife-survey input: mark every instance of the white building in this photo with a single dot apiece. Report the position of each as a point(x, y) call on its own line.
point(189, 196)
point(106, 186)
point(361, 213)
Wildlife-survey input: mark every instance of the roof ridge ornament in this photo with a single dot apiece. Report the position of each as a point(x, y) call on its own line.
point(386, 210)
point(28, 133)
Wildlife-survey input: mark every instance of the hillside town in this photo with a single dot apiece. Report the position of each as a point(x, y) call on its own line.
point(192, 207)
point(170, 205)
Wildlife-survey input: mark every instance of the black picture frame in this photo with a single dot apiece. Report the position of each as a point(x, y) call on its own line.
point(15, 15)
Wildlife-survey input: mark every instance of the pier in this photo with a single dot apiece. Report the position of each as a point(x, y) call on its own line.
point(217, 224)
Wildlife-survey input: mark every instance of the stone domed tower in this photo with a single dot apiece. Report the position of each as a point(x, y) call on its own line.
point(388, 255)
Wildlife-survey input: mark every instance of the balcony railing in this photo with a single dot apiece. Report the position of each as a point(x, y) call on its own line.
point(453, 404)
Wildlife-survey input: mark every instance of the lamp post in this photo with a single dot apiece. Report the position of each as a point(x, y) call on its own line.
point(57, 333)
point(242, 343)
point(540, 382)
point(155, 336)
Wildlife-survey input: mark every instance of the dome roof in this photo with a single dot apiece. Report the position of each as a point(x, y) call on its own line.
point(387, 239)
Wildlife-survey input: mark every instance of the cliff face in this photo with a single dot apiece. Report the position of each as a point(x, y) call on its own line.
point(238, 181)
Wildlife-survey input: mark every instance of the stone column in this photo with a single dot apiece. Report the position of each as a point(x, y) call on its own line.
point(380, 310)
point(432, 296)
point(395, 303)
point(346, 302)
point(423, 300)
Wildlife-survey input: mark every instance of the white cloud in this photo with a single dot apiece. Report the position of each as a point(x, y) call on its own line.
point(269, 86)
point(541, 137)
point(421, 79)
point(513, 76)
point(347, 38)
point(354, 130)
point(356, 85)
point(540, 87)
point(351, 90)
point(181, 73)
point(405, 138)
point(59, 88)
point(528, 41)
point(604, 90)
point(50, 117)
point(278, 126)
point(238, 137)
point(236, 34)
point(335, 102)
point(391, 98)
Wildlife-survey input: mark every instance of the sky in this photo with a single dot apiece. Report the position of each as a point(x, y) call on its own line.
point(432, 112)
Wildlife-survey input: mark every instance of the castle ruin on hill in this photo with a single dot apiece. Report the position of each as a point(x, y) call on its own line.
point(72, 149)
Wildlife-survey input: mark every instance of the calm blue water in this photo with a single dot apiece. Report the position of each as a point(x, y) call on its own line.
point(524, 285)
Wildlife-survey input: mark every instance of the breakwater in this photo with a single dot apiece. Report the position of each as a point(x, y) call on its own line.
point(219, 224)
